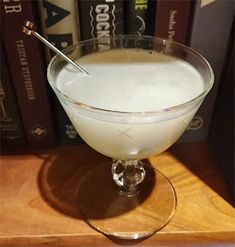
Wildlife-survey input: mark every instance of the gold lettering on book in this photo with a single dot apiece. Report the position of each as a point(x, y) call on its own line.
point(172, 22)
point(12, 6)
point(25, 69)
point(141, 4)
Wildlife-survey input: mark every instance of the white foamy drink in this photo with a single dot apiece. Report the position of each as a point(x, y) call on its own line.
point(136, 82)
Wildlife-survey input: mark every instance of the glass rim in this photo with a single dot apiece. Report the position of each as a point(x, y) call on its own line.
point(141, 113)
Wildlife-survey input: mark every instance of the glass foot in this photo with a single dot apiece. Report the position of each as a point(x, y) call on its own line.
point(128, 217)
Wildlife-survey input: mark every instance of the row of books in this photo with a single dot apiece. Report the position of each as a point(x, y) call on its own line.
point(31, 114)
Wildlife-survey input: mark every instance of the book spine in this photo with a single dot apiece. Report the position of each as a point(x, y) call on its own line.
point(173, 19)
point(60, 25)
point(211, 28)
point(100, 18)
point(222, 129)
point(139, 17)
point(11, 128)
point(28, 72)
point(59, 22)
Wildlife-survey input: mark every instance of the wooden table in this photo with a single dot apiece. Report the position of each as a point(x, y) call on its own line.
point(38, 207)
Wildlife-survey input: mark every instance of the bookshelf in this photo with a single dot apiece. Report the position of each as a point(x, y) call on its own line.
point(194, 23)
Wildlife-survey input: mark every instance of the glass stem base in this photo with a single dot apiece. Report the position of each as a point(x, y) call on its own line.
point(128, 174)
point(141, 206)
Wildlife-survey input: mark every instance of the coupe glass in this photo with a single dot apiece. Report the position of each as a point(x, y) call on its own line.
point(128, 198)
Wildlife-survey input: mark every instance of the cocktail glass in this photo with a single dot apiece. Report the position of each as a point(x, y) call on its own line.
point(133, 200)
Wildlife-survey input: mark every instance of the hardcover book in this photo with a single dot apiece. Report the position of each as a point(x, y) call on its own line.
point(100, 18)
point(211, 27)
point(173, 19)
point(60, 25)
point(139, 17)
point(11, 127)
point(221, 135)
point(28, 72)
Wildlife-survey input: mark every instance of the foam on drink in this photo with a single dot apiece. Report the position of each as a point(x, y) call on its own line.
point(131, 80)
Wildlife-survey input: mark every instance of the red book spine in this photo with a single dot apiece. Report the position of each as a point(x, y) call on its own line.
point(28, 72)
point(173, 19)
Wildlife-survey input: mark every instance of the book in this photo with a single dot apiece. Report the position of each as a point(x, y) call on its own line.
point(173, 19)
point(221, 134)
point(100, 18)
point(28, 72)
point(59, 23)
point(60, 26)
point(11, 127)
point(211, 26)
point(139, 17)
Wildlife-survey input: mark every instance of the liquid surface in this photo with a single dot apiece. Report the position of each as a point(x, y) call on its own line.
point(131, 80)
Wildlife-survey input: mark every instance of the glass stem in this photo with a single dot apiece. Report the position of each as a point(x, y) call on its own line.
point(128, 174)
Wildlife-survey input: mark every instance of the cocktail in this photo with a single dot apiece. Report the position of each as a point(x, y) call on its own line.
point(139, 97)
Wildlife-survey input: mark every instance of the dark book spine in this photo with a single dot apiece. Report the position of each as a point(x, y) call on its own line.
point(60, 25)
point(173, 19)
point(212, 23)
point(28, 72)
point(11, 128)
point(139, 17)
point(222, 129)
point(100, 18)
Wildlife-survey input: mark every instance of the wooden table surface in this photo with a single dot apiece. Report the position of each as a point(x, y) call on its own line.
point(38, 207)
